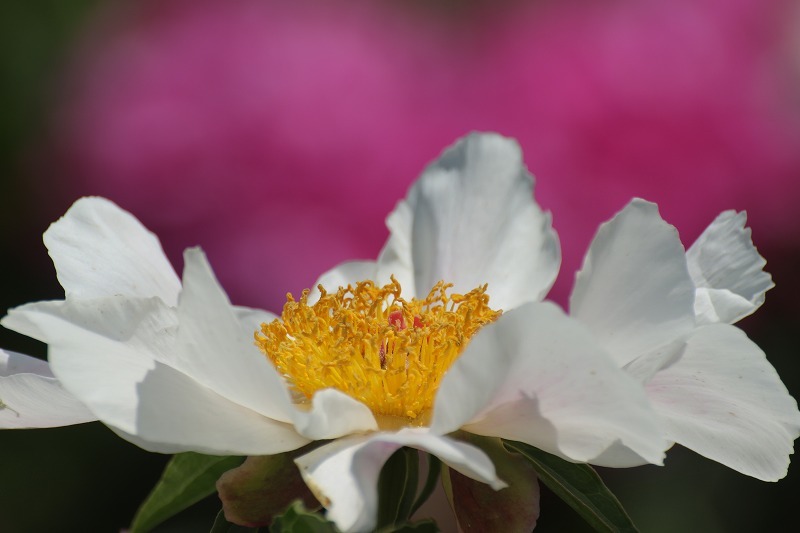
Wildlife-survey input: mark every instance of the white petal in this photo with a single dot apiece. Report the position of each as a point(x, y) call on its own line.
point(251, 318)
point(348, 273)
point(333, 414)
point(719, 305)
point(216, 351)
point(471, 219)
point(727, 270)
point(634, 290)
point(396, 258)
point(108, 338)
point(174, 414)
point(539, 377)
point(725, 401)
point(105, 352)
point(24, 319)
point(644, 367)
point(12, 363)
point(344, 474)
point(101, 250)
point(30, 397)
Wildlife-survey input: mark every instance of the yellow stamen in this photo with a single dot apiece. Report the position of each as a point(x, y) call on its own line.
point(373, 345)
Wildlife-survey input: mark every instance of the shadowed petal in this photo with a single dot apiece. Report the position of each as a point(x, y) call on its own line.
point(539, 377)
point(214, 348)
point(725, 401)
point(176, 414)
point(30, 397)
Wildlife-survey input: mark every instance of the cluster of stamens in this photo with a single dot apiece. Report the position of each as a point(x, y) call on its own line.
point(368, 342)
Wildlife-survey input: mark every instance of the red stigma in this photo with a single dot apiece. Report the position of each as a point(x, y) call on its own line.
point(397, 320)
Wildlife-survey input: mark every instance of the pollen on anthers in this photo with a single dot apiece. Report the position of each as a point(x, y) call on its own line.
point(370, 343)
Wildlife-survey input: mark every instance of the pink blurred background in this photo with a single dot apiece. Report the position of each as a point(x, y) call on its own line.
point(278, 134)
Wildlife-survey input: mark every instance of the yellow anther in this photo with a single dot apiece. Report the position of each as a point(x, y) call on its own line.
point(370, 343)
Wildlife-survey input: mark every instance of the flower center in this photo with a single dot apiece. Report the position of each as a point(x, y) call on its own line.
point(373, 345)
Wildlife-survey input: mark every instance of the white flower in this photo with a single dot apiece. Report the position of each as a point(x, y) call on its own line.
point(172, 366)
point(663, 314)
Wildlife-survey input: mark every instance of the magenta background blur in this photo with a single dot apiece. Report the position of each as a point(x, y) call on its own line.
point(279, 134)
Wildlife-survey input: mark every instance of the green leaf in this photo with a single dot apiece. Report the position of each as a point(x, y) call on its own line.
point(297, 519)
point(223, 526)
point(397, 487)
point(580, 487)
point(188, 478)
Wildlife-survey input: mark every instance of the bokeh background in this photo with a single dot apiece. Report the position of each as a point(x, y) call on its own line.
point(278, 134)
